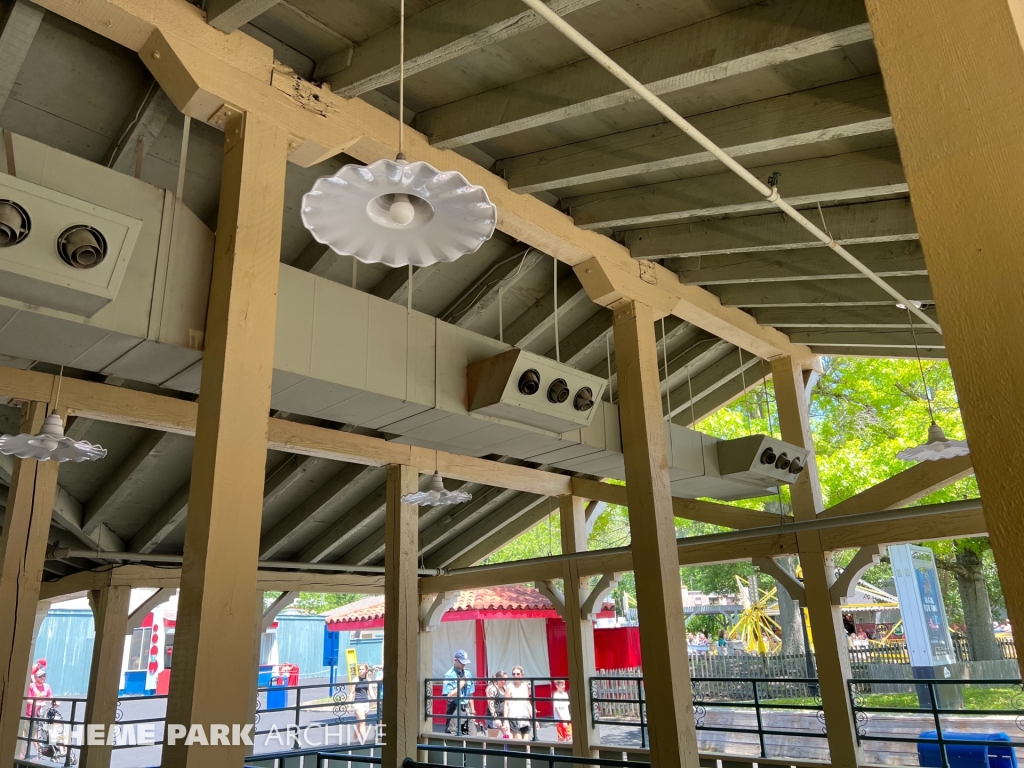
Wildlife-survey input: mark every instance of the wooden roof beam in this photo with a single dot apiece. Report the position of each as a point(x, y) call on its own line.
point(433, 36)
point(906, 487)
point(208, 75)
point(828, 317)
point(875, 222)
point(229, 15)
point(811, 123)
point(871, 174)
point(892, 259)
point(748, 40)
point(19, 30)
point(845, 292)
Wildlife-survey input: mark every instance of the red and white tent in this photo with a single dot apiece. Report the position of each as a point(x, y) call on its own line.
point(500, 627)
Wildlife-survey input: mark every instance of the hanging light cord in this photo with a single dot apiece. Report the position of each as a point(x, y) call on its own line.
point(401, 82)
point(920, 366)
point(60, 380)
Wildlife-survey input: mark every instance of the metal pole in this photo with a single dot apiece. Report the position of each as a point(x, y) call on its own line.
point(771, 194)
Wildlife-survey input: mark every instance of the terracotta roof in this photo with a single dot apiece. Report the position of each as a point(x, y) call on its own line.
point(509, 598)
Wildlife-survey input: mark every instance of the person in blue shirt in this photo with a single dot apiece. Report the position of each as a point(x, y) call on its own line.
point(458, 686)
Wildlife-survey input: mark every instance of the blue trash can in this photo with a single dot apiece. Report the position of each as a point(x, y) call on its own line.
point(277, 694)
point(995, 754)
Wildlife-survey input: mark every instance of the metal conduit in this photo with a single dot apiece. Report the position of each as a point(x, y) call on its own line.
point(821, 523)
point(770, 193)
point(139, 557)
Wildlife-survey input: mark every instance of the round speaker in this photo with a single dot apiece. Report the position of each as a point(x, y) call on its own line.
point(796, 466)
point(782, 462)
point(584, 399)
point(14, 223)
point(529, 382)
point(82, 246)
point(768, 456)
point(558, 392)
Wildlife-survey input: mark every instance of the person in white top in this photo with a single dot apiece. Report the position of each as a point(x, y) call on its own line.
point(518, 709)
point(561, 704)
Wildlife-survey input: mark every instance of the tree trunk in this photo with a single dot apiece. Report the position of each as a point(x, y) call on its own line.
point(970, 577)
point(790, 618)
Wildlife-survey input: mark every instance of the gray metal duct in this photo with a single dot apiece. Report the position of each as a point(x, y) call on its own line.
point(341, 355)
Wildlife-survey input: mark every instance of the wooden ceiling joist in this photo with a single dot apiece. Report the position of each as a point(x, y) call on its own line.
point(207, 74)
point(814, 123)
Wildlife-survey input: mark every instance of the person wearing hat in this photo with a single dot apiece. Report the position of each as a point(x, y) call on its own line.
point(458, 686)
point(38, 699)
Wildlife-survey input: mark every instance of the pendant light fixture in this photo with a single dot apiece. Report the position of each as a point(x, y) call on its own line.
point(938, 446)
point(436, 495)
point(398, 213)
point(51, 444)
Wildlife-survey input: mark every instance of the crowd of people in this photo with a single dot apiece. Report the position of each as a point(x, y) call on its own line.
point(510, 711)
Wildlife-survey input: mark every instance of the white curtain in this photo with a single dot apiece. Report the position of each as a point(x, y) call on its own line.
point(523, 642)
point(452, 636)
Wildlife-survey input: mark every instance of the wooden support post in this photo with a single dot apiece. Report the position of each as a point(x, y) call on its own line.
point(952, 74)
point(22, 552)
point(653, 534)
point(426, 666)
point(110, 615)
point(254, 669)
point(401, 719)
point(579, 629)
point(210, 684)
point(826, 620)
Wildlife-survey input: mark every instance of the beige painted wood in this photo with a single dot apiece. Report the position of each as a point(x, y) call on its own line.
point(686, 509)
point(229, 15)
point(22, 552)
point(870, 174)
point(254, 662)
point(964, 103)
point(579, 629)
point(904, 489)
point(202, 71)
point(110, 616)
point(401, 706)
point(880, 222)
point(652, 530)
point(425, 665)
point(19, 30)
point(440, 33)
point(168, 578)
point(141, 409)
point(211, 681)
point(610, 286)
point(802, 124)
point(826, 620)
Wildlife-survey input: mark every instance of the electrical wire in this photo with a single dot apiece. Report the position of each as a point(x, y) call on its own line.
point(920, 365)
point(452, 314)
point(401, 81)
point(131, 126)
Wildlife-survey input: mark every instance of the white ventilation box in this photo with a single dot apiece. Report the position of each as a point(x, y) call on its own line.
point(533, 390)
point(60, 252)
point(758, 458)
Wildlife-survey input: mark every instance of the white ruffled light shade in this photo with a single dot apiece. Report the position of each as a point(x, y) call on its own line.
point(937, 447)
point(436, 495)
point(356, 213)
point(50, 444)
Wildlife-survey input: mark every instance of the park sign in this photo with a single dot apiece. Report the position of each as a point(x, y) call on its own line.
point(921, 606)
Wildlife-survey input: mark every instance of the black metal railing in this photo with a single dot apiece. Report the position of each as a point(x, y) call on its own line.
point(317, 758)
point(509, 757)
point(321, 705)
point(944, 708)
point(493, 706)
point(747, 707)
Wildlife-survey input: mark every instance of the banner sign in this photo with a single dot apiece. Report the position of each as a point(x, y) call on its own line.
point(921, 605)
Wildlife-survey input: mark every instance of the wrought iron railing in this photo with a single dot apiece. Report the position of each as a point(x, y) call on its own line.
point(752, 708)
point(946, 722)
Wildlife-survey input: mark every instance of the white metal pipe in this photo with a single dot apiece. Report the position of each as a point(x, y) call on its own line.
point(770, 193)
point(140, 557)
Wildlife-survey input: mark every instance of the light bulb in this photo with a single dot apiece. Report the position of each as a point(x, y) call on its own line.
point(50, 444)
point(435, 495)
point(402, 211)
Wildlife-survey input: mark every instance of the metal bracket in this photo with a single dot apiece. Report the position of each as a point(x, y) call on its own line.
point(592, 605)
point(432, 611)
point(788, 581)
point(846, 582)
